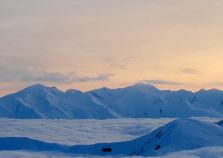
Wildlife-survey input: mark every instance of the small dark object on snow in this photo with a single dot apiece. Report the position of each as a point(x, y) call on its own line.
point(106, 149)
point(157, 147)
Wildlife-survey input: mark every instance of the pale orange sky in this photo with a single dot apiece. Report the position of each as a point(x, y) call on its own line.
point(87, 44)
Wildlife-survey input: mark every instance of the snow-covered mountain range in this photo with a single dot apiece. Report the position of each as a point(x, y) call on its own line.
point(136, 101)
point(178, 135)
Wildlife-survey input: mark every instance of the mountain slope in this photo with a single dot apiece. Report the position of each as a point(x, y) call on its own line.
point(136, 101)
point(181, 134)
point(142, 100)
point(39, 101)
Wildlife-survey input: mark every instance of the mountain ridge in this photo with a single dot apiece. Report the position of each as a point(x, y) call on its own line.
point(137, 101)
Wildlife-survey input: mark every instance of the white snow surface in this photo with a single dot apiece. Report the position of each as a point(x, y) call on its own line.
point(140, 117)
point(71, 132)
point(136, 101)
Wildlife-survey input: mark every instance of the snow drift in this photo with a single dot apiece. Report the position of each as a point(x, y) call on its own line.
point(181, 134)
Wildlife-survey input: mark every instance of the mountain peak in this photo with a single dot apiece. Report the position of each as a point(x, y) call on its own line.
point(213, 90)
point(34, 87)
point(38, 85)
point(39, 88)
point(143, 85)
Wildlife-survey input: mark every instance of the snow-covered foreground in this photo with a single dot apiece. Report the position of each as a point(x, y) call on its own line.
point(71, 132)
point(207, 152)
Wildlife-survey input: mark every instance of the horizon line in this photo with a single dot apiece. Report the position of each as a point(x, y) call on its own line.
point(129, 85)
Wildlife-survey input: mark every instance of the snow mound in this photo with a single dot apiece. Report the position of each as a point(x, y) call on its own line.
point(179, 135)
point(23, 143)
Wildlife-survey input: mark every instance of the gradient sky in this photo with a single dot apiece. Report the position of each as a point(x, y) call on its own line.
point(86, 44)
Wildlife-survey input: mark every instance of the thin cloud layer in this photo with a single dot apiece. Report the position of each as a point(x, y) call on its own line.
point(49, 77)
point(190, 71)
point(99, 77)
point(162, 82)
point(14, 69)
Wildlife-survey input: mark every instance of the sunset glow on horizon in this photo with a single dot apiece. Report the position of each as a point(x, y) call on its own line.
point(85, 44)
